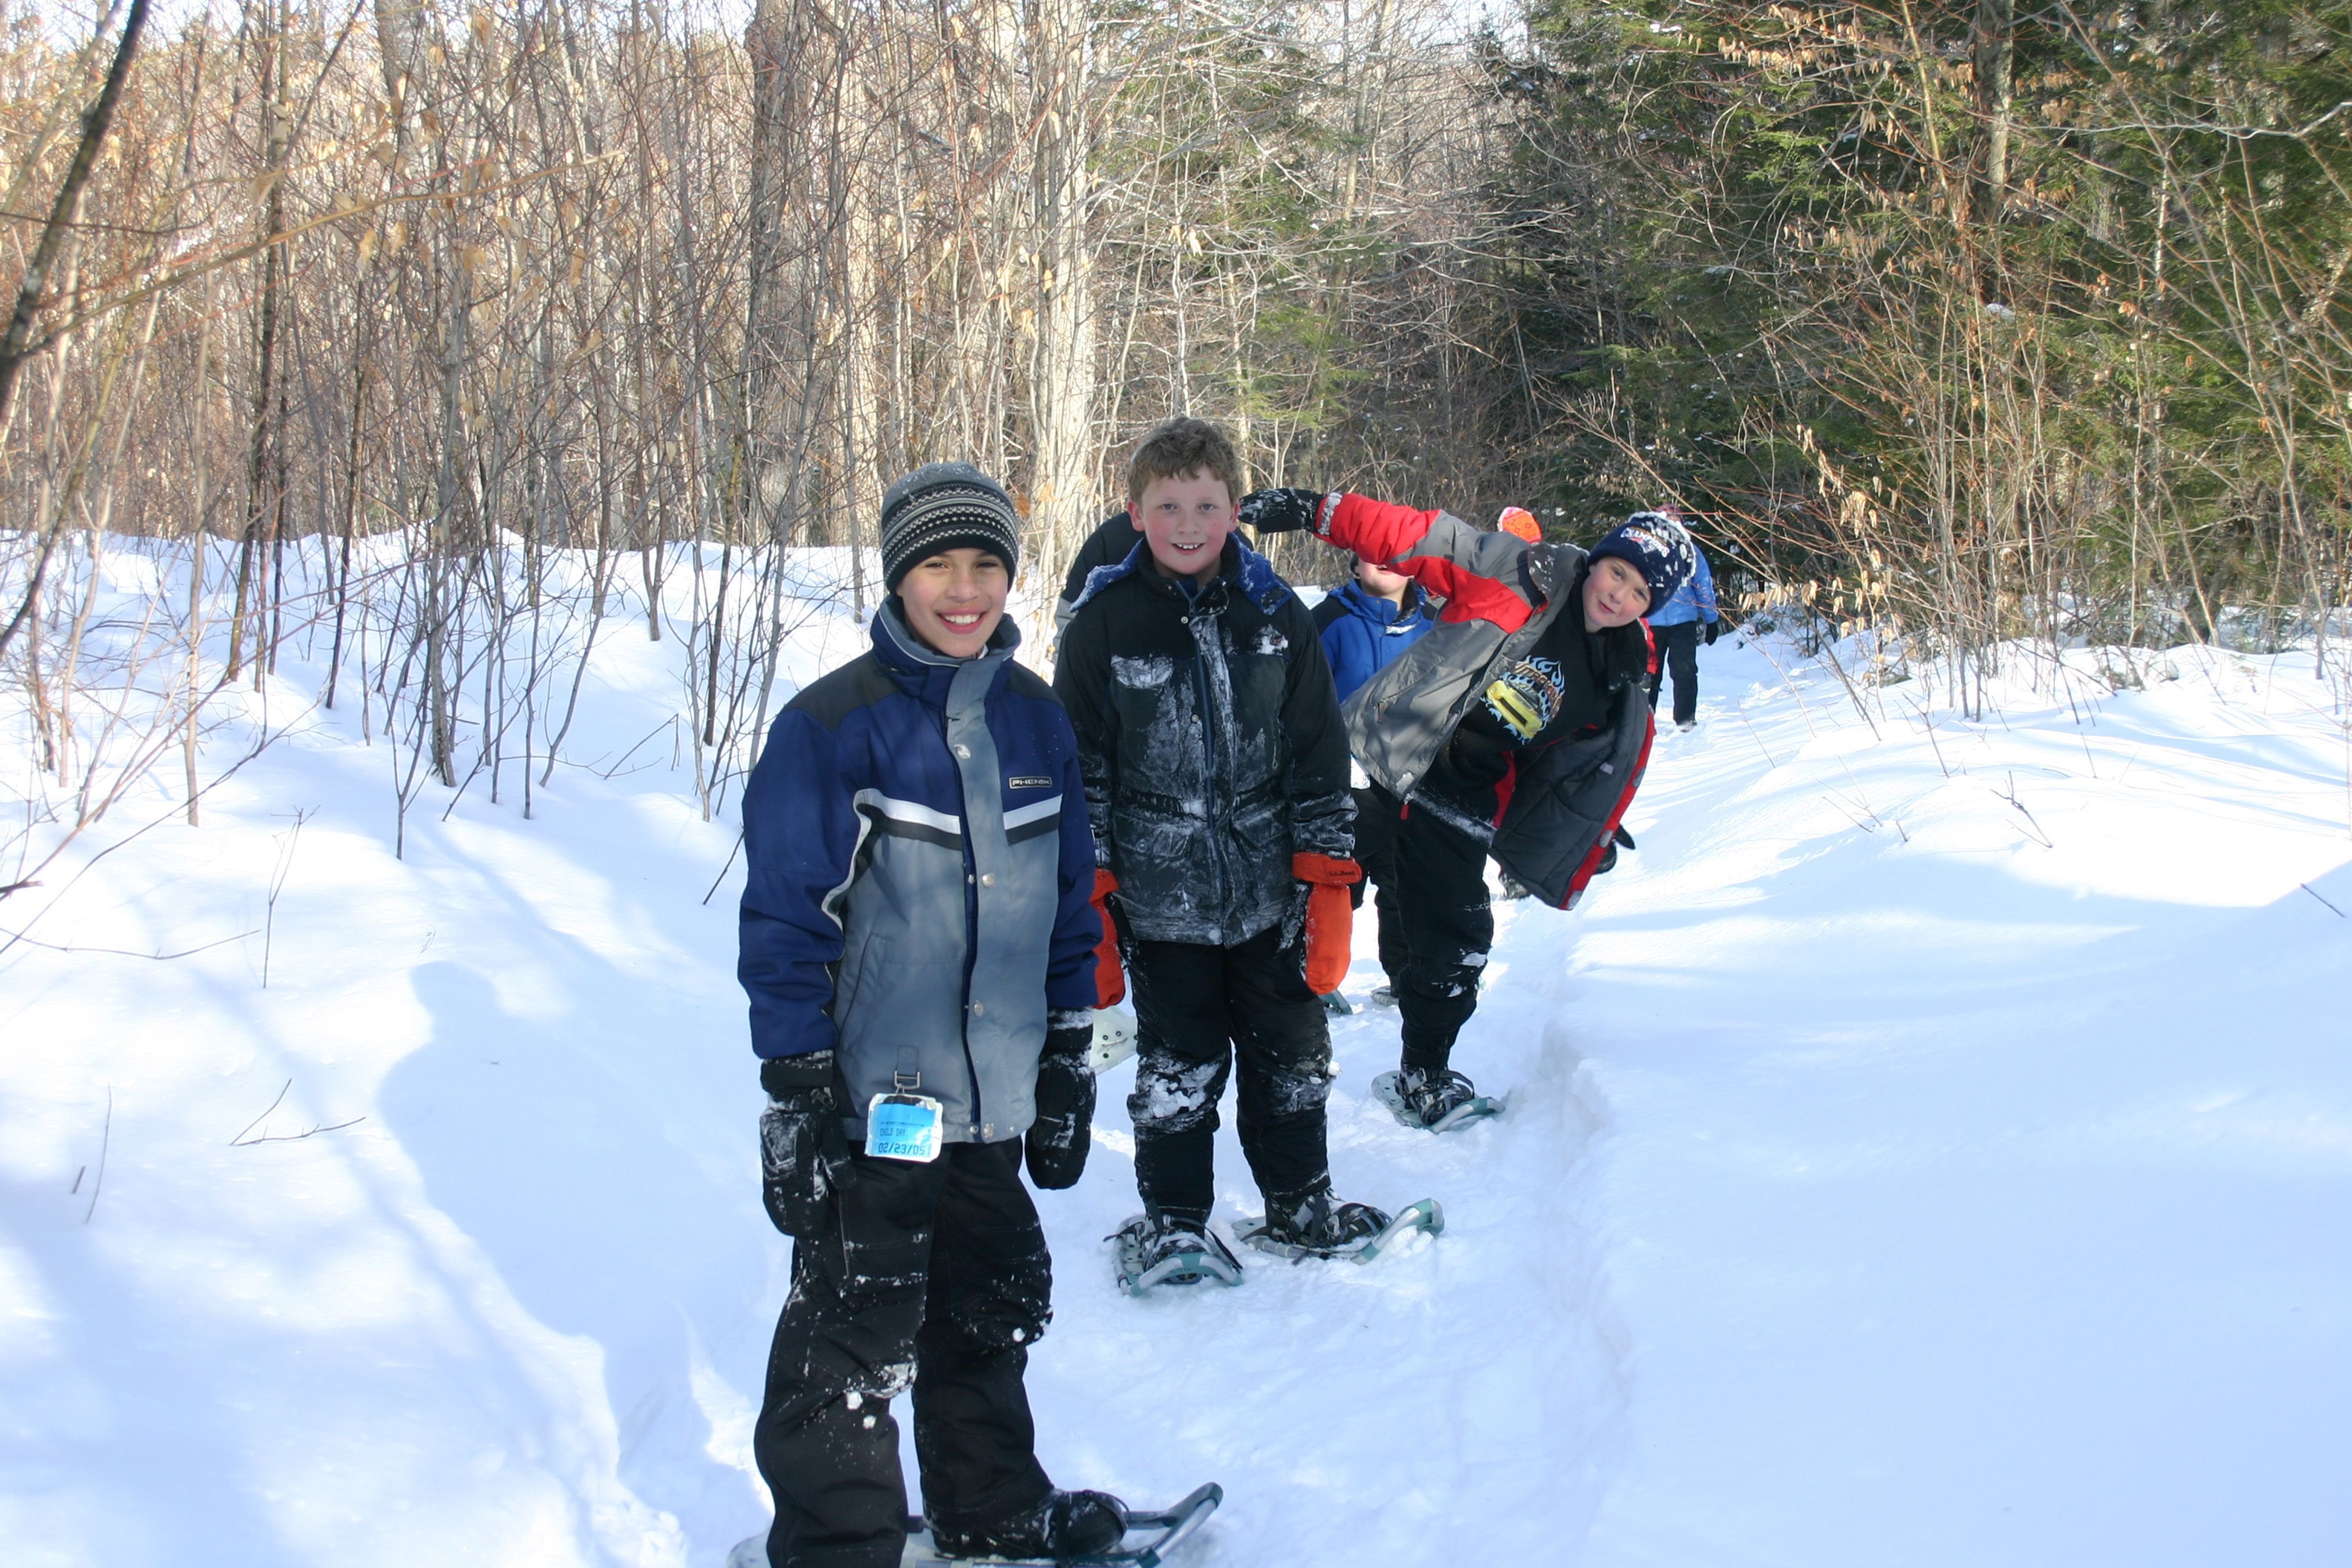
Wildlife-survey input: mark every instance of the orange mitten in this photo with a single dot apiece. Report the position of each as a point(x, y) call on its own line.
point(1330, 917)
point(1110, 980)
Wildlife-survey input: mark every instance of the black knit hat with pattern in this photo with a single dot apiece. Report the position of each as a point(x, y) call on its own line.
point(945, 506)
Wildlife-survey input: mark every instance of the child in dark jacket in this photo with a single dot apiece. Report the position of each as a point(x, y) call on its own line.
point(1365, 623)
point(1216, 777)
point(1518, 728)
point(918, 944)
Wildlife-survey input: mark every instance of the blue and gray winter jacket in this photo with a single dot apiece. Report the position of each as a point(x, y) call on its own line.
point(1694, 601)
point(919, 872)
point(1361, 632)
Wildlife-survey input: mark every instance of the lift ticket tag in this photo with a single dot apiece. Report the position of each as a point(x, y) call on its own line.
point(903, 1126)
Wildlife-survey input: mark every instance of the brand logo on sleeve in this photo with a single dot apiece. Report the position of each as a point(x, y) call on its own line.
point(1029, 781)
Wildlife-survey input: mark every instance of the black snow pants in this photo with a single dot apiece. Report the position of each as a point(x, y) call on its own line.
point(934, 1274)
point(1680, 646)
point(1447, 928)
point(1198, 1007)
point(1376, 853)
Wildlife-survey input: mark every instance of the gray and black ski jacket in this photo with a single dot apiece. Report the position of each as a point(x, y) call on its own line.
point(1210, 742)
point(1562, 803)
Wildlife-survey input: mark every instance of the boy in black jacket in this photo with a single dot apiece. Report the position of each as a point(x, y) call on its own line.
point(1216, 779)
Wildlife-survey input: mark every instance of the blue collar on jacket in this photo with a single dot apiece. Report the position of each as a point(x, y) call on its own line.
point(1379, 611)
point(925, 673)
point(1251, 575)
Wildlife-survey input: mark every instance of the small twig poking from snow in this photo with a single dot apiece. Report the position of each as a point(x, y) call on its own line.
point(124, 952)
point(606, 773)
point(16, 887)
point(258, 1121)
point(727, 868)
point(2039, 836)
point(245, 1140)
point(2066, 684)
point(1927, 721)
point(105, 1141)
point(1752, 735)
point(297, 1137)
point(277, 884)
point(2322, 898)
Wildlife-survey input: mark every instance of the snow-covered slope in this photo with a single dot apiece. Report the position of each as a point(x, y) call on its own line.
point(1931, 1146)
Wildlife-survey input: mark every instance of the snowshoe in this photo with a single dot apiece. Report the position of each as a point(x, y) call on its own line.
point(1382, 996)
point(1114, 1039)
point(1337, 1004)
point(1171, 1252)
point(1316, 1227)
point(1069, 1526)
point(1173, 1526)
point(1433, 1101)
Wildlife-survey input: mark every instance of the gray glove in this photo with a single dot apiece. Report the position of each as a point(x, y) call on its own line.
point(803, 1154)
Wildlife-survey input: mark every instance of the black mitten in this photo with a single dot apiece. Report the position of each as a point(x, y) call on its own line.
point(1058, 1140)
point(1714, 628)
point(803, 1154)
point(1283, 510)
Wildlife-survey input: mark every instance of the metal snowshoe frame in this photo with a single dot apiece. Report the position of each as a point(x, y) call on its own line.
point(1389, 1089)
point(1423, 1213)
point(1176, 1525)
point(1190, 1266)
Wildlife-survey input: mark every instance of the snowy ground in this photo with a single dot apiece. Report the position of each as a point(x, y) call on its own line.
point(1933, 1146)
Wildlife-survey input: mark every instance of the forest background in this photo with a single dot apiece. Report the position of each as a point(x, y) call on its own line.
point(416, 330)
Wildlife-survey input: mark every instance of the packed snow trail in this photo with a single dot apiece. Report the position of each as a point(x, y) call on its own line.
point(1929, 1147)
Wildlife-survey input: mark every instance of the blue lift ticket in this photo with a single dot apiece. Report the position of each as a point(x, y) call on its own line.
point(903, 1126)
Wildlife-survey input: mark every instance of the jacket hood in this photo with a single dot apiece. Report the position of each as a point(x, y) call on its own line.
point(924, 673)
point(1251, 575)
point(1379, 611)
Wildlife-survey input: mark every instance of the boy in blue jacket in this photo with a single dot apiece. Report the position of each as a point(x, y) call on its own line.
point(918, 944)
point(1679, 623)
point(1364, 623)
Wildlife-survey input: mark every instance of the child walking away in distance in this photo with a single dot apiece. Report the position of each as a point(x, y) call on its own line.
point(1679, 623)
point(1216, 777)
point(918, 944)
point(1365, 623)
point(1518, 728)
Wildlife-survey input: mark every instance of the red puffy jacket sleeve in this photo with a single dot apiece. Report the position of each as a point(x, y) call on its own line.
point(1481, 577)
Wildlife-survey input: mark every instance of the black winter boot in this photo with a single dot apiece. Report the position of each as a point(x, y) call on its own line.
point(1066, 1525)
point(1431, 1093)
point(1315, 1222)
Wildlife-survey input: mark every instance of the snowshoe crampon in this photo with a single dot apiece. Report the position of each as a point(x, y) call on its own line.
point(1390, 1090)
point(1424, 1214)
point(1152, 1255)
point(1167, 1528)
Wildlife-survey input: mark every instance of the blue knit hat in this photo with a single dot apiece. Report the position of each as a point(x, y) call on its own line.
point(1656, 546)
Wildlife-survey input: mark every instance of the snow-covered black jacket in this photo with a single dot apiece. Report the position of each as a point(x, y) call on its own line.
point(920, 876)
point(1361, 632)
point(1210, 742)
point(1561, 802)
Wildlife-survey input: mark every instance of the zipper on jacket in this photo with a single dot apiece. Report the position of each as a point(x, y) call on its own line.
point(1216, 809)
point(970, 931)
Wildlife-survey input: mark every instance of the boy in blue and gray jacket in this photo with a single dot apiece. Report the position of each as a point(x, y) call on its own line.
point(918, 944)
